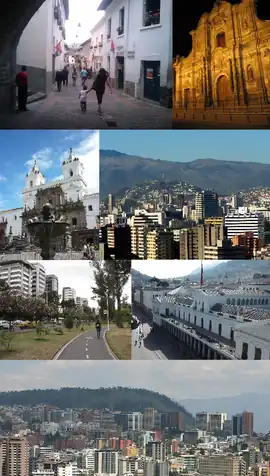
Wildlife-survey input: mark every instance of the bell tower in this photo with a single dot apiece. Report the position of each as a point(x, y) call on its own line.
point(34, 180)
point(72, 167)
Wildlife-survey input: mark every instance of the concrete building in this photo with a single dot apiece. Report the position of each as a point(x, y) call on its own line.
point(138, 47)
point(15, 455)
point(106, 461)
point(222, 465)
point(38, 279)
point(52, 284)
point(135, 421)
point(18, 275)
point(41, 46)
point(81, 301)
point(68, 293)
point(238, 223)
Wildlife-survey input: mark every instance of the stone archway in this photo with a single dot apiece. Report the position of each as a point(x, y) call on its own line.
point(223, 90)
point(14, 17)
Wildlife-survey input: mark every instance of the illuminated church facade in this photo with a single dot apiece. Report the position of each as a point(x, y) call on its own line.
point(229, 64)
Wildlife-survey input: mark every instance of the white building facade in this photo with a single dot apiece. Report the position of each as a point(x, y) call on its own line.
point(138, 47)
point(96, 53)
point(238, 223)
point(38, 46)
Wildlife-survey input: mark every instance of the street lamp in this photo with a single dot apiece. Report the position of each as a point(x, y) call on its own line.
point(107, 314)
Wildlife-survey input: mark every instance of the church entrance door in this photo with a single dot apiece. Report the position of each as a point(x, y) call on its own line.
point(224, 93)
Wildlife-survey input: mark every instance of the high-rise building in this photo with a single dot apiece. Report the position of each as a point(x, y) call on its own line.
point(135, 421)
point(18, 275)
point(247, 423)
point(149, 418)
point(111, 203)
point(237, 424)
point(159, 244)
point(52, 284)
point(14, 456)
point(238, 223)
point(155, 450)
point(206, 205)
point(68, 294)
point(202, 421)
point(38, 279)
point(106, 462)
point(216, 421)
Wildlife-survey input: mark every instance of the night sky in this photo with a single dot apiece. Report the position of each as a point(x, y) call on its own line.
point(186, 16)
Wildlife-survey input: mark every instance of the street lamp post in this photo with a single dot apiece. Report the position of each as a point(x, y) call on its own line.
point(108, 314)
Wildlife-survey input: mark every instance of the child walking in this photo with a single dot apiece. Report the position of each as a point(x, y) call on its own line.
point(83, 98)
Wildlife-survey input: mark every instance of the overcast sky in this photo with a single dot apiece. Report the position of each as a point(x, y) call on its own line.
point(169, 269)
point(78, 275)
point(84, 13)
point(180, 379)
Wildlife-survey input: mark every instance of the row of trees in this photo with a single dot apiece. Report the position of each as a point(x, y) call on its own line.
point(110, 279)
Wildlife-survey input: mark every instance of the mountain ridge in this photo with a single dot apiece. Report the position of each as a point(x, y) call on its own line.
point(224, 176)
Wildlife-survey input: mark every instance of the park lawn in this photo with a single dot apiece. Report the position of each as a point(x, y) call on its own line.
point(119, 341)
point(29, 346)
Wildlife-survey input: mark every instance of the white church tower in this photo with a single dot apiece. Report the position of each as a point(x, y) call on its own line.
point(34, 180)
point(73, 185)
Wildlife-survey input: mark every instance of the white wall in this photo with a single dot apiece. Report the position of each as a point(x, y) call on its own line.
point(96, 33)
point(91, 216)
point(31, 50)
point(151, 43)
point(15, 223)
point(252, 341)
point(137, 296)
point(37, 43)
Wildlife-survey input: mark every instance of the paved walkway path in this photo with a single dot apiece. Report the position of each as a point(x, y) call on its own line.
point(86, 347)
point(62, 111)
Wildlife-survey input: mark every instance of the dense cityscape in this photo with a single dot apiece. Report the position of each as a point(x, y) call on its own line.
point(46, 440)
point(171, 220)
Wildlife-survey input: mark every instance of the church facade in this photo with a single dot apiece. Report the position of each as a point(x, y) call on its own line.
point(69, 197)
point(229, 64)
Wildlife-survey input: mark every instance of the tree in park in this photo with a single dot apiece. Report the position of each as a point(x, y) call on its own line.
point(110, 279)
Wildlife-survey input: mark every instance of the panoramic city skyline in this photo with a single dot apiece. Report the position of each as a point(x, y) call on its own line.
point(165, 269)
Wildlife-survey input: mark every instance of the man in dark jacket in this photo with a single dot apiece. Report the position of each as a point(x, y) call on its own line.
point(65, 73)
point(59, 79)
point(98, 328)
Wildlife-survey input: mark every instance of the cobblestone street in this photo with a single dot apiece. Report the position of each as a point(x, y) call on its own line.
point(62, 111)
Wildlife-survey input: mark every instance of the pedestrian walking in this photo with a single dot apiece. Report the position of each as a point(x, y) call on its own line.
point(74, 76)
point(65, 73)
point(99, 86)
point(83, 76)
point(59, 79)
point(22, 85)
point(140, 335)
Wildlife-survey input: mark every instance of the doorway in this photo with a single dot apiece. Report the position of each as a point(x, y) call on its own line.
point(152, 80)
point(186, 98)
point(224, 94)
point(120, 72)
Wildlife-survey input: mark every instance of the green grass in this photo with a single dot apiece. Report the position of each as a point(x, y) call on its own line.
point(119, 341)
point(29, 346)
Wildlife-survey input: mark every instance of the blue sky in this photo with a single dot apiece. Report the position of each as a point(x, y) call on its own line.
point(19, 149)
point(185, 146)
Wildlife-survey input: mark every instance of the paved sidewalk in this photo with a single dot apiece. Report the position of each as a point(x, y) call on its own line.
point(62, 111)
point(86, 347)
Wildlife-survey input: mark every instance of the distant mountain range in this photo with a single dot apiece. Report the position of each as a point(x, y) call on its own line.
point(232, 269)
point(118, 170)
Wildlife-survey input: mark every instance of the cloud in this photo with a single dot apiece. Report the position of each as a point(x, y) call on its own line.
point(44, 158)
point(56, 179)
point(2, 178)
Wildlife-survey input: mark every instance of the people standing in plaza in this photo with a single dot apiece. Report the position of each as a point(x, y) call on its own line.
point(22, 85)
point(99, 86)
point(59, 79)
